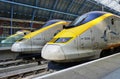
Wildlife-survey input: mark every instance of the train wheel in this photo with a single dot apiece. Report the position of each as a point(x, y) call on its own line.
point(117, 49)
point(110, 51)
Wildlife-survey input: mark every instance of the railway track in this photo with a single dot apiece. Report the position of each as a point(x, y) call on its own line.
point(38, 74)
point(11, 63)
point(22, 71)
point(14, 63)
point(12, 68)
point(15, 69)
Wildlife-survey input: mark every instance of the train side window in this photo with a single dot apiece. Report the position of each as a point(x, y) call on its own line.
point(112, 21)
point(50, 22)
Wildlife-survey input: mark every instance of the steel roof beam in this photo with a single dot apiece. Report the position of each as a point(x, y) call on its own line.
point(39, 8)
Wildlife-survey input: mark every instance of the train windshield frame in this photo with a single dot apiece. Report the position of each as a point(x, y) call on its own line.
point(22, 39)
point(85, 18)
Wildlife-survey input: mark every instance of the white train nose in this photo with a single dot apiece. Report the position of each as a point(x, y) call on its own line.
point(16, 47)
point(53, 53)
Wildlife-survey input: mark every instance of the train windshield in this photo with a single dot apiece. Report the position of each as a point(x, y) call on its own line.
point(12, 39)
point(85, 18)
point(50, 22)
point(62, 40)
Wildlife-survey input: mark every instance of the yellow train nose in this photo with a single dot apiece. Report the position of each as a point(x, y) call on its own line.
point(52, 53)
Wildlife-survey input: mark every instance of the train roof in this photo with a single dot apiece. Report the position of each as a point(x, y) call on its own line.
point(85, 18)
point(51, 22)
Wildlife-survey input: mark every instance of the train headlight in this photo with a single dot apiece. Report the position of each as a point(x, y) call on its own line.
point(52, 52)
point(16, 47)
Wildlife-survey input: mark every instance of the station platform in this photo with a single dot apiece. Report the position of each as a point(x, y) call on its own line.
point(104, 68)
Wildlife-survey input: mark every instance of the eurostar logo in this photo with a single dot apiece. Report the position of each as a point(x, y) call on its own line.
point(106, 32)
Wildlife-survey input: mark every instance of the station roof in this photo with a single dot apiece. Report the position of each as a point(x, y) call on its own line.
point(111, 4)
point(43, 10)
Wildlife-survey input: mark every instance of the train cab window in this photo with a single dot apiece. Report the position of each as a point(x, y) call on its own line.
point(50, 22)
point(62, 40)
point(12, 39)
point(85, 18)
point(9, 40)
point(79, 20)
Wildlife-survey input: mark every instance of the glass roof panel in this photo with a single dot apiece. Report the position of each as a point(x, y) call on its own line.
point(113, 4)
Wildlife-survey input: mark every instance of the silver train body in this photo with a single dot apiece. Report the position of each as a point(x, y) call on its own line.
point(33, 42)
point(85, 38)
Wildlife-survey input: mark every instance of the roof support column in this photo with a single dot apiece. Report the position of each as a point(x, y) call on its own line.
point(51, 14)
point(33, 15)
point(80, 8)
point(70, 5)
point(11, 20)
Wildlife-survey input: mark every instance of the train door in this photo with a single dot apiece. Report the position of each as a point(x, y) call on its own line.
point(70, 49)
point(94, 38)
point(37, 42)
point(29, 44)
point(32, 39)
point(84, 44)
point(100, 37)
point(117, 29)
